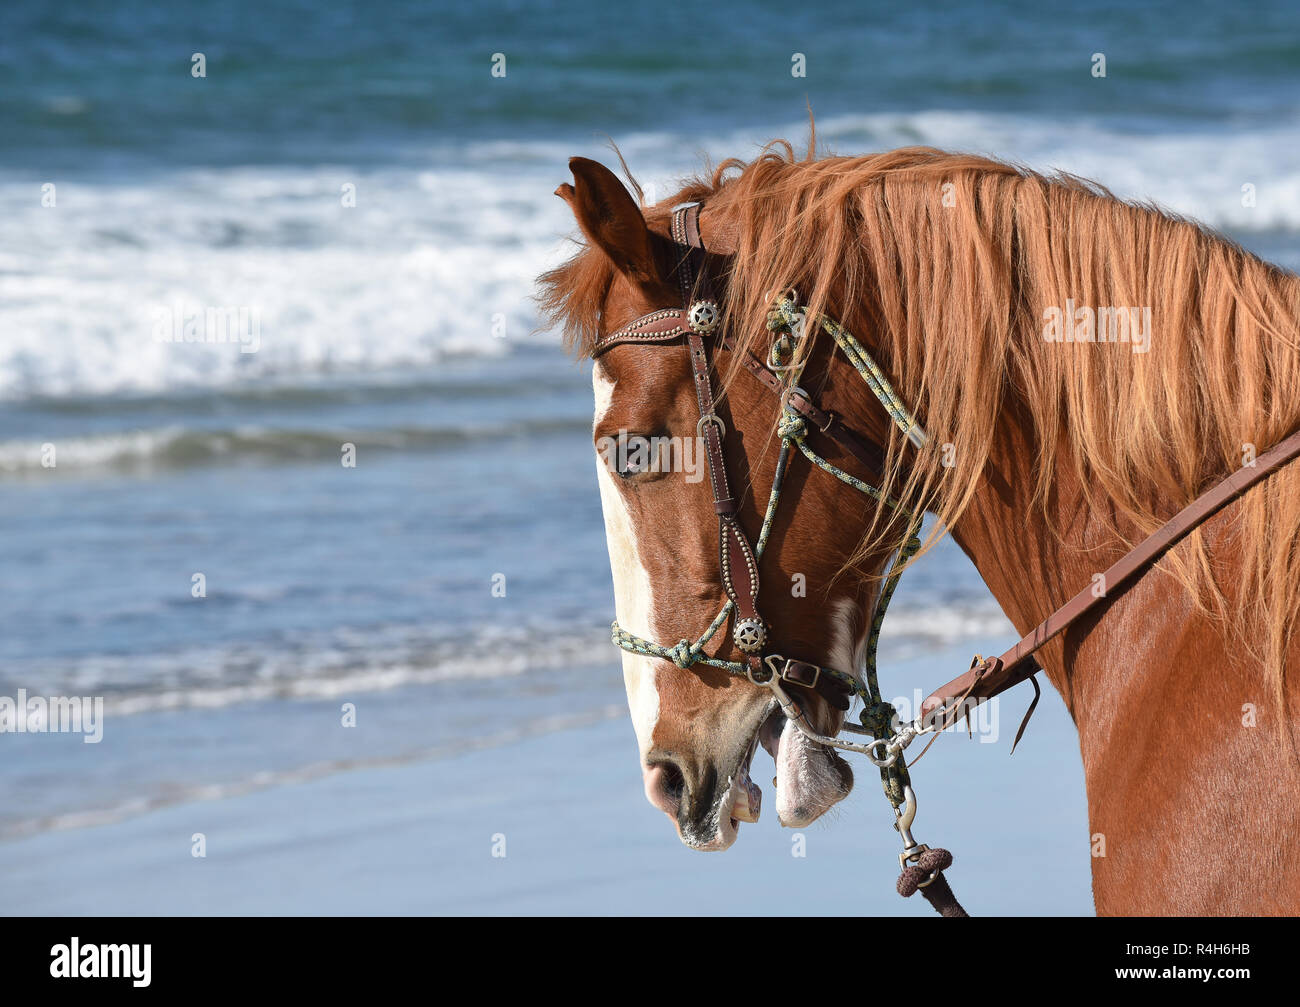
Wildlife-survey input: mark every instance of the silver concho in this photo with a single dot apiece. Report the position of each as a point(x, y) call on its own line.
point(703, 316)
point(750, 635)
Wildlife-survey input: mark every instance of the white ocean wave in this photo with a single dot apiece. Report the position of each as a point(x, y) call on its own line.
point(440, 259)
point(318, 665)
point(176, 446)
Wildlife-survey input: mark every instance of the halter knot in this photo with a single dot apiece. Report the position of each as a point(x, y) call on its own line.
point(879, 719)
point(784, 315)
point(684, 654)
point(792, 426)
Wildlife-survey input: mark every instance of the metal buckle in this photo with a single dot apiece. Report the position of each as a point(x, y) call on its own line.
point(807, 685)
point(710, 418)
point(772, 660)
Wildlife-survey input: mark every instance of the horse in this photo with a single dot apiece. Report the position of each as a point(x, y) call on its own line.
point(1083, 368)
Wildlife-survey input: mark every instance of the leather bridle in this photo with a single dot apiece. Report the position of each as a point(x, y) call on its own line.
point(700, 319)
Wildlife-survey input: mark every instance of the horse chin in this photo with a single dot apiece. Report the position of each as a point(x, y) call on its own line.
point(810, 778)
point(741, 803)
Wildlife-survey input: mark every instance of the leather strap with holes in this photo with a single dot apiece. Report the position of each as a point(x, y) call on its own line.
point(736, 560)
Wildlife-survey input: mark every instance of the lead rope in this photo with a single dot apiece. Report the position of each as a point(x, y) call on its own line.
point(922, 866)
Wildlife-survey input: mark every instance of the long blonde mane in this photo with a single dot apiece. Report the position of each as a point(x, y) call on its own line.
point(946, 265)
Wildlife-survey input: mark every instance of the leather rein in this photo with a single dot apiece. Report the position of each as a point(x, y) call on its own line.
point(700, 318)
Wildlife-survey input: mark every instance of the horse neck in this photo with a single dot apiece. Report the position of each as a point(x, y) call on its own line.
point(1035, 557)
point(1160, 693)
point(1164, 705)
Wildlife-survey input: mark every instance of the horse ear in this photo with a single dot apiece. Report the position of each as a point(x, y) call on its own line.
point(609, 217)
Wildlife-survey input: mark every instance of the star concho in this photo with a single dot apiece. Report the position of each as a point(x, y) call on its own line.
point(704, 316)
point(750, 635)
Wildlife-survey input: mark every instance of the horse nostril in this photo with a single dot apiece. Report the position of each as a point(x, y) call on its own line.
point(674, 783)
point(665, 786)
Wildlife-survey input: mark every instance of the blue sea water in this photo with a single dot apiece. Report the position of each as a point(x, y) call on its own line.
point(403, 325)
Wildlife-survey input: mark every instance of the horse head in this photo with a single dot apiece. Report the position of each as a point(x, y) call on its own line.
point(697, 724)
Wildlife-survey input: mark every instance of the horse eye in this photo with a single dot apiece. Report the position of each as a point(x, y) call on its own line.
point(634, 456)
point(633, 467)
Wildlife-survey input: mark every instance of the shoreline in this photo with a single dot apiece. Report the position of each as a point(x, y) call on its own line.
point(567, 810)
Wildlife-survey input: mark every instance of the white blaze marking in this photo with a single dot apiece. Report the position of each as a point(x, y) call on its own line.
point(633, 594)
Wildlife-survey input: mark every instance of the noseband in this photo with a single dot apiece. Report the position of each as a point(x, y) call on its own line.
point(700, 318)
